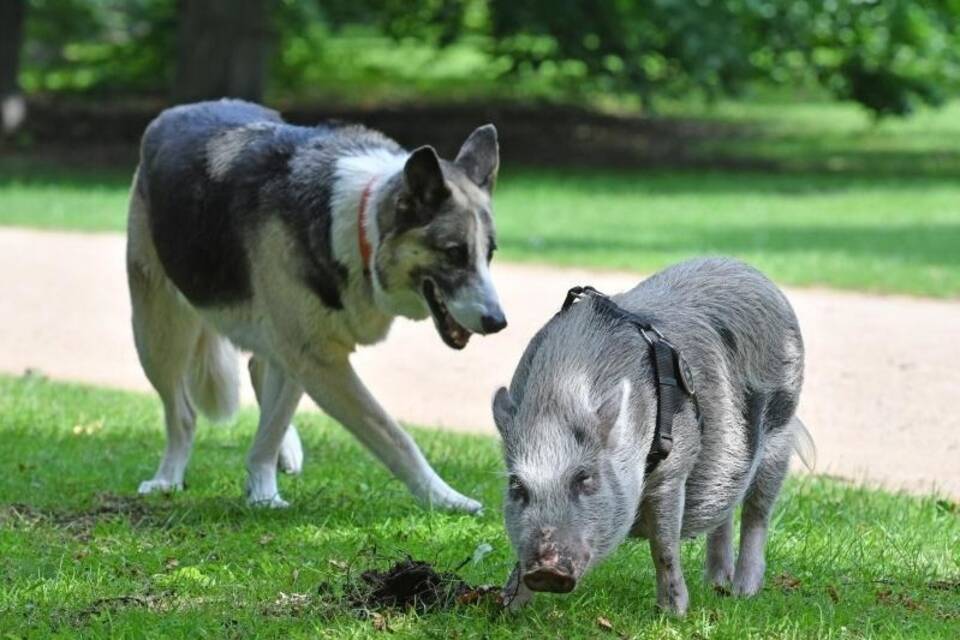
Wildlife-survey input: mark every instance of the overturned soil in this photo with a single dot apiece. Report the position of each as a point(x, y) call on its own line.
point(414, 584)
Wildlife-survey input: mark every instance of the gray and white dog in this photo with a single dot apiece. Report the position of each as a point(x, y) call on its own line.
point(298, 243)
point(580, 418)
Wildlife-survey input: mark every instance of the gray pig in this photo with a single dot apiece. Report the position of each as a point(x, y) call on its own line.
point(579, 422)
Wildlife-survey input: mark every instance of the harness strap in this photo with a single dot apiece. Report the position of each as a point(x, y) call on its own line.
point(674, 380)
point(669, 401)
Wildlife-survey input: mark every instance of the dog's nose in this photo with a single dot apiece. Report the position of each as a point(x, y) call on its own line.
point(493, 323)
point(549, 578)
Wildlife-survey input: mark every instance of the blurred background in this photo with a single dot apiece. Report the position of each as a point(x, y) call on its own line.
point(817, 139)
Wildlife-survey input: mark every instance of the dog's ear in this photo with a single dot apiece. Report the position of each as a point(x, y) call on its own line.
point(479, 157)
point(424, 177)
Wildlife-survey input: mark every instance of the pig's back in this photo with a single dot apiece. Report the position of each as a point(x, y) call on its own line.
point(740, 336)
point(720, 309)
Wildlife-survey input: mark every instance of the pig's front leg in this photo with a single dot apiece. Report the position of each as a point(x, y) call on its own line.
point(665, 516)
point(515, 594)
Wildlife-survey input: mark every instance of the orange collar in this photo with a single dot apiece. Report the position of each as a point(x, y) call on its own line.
point(366, 251)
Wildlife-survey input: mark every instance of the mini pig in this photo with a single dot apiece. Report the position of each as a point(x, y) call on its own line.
point(581, 441)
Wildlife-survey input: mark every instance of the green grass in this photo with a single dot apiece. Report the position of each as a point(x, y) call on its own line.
point(80, 555)
point(851, 204)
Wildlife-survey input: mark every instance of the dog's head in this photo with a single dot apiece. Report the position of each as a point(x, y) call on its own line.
point(437, 239)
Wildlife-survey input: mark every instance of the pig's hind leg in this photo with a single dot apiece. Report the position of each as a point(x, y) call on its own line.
point(718, 572)
point(757, 507)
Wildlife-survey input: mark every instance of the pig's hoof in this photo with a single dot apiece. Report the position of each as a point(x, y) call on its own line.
point(747, 583)
point(749, 578)
point(291, 452)
point(719, 578)
point(674, 601)
point(516, 599)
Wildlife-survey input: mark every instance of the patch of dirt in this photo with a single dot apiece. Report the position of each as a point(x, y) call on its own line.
point(945, 585)
point(890, 598)
point(80, 523)
point(786, 582)
point(414, 584)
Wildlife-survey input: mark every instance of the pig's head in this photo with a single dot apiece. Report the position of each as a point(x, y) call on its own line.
point(574, 480)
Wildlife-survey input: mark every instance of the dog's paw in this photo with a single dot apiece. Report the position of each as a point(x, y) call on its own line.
point(291, 452)
point(449, 500)
point(262, 490)
point(159, 485)
point(267, 502)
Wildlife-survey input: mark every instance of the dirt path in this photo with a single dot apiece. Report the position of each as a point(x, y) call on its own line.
point(881, 371)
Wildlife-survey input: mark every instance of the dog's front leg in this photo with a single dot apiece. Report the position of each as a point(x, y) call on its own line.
point(339, 392)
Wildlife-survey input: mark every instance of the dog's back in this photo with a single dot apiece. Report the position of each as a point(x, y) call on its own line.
point(204, 170)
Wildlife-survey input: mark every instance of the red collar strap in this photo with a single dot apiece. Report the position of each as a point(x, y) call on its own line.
point(366, 251)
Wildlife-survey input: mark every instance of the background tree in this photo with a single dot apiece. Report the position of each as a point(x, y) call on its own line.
point(222, 49)
point(12, 13)
point(888, 55)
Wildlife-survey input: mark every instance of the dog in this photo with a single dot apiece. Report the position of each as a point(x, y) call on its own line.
point(297, 244)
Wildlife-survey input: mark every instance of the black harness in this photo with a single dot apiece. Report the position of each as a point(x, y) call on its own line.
point(674, 378)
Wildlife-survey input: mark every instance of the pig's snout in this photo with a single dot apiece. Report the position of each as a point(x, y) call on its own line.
point(549, 571)
point(549, 578)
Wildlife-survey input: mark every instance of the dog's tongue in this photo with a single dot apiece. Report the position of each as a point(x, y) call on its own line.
point(454, 335)
point(457, 334)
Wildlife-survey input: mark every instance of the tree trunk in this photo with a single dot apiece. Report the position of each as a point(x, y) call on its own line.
point(222, 49)
point(12, 107)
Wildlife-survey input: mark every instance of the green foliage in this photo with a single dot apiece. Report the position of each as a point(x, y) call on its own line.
point(888, 55)
point(82, 556)
point(99, 46)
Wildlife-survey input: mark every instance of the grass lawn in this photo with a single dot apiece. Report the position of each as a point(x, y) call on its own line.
point(853, 205)
point(81, 555)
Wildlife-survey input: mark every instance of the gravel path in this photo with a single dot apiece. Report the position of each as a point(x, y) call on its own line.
point(880, 370)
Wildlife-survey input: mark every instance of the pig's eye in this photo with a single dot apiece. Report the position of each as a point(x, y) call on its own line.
point(518, 492)
point(584, 483)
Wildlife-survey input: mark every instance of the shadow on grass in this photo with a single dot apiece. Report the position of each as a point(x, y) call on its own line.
point(87, 549)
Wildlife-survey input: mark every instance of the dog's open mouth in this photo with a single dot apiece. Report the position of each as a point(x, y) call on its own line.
point(454, 335)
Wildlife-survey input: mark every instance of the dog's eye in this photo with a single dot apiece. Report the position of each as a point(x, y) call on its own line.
point(584, 483)
point(456, 254)
point(517, 491)
point(491, 249)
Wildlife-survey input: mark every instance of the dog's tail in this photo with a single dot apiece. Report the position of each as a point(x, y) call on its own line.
point(804, 445)
point(213, 378)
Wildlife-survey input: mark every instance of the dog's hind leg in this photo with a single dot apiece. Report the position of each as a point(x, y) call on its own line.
point(339, 392)
point(290, 458)
point(278, 396)
point(166, 332)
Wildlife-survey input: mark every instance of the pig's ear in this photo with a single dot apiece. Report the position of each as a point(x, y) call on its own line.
point(503, 410)
point(614, 413)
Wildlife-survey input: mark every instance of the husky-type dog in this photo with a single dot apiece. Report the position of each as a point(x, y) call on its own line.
point(296, 244)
